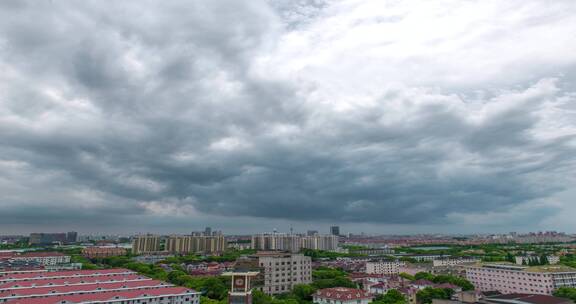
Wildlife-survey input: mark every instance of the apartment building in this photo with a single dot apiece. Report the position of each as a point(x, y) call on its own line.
point(145, 244)
point(384, 266)
point(279, 271)
point(525, 260)
point(46, 238)
point(443, 262)
point(508, 278)
point(119, 286)
point(184, 244)
point(294, 243)
point(40, 258)
point(103, 252)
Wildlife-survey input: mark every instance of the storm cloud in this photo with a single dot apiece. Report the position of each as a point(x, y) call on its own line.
point(381, 112)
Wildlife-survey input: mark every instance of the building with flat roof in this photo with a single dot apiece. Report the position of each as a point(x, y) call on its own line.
point(450, 261)
point(279, 271)
point(47, 238)
point(120, 286)
point(103, 252)
point(184, 244)
point(384, 266)
point(41, 258)
point(511, 278)
point(145, 244)
point(293, 242)
point(335, 230)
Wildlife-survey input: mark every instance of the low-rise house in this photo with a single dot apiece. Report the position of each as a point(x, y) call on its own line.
point(379, 288)
point(421, 284)
point(342, 295)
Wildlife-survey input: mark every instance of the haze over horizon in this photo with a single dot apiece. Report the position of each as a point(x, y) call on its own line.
point(245, 116)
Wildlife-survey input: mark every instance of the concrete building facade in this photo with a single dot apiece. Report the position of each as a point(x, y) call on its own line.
point(384, 267)
point(145, 244)
point(195, 244)
point(294, 243)
point(507, 278)
point(280, 271)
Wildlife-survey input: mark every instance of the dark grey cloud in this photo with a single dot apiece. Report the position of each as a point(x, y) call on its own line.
point(114, 112)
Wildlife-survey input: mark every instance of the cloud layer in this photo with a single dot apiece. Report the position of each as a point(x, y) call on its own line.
point(383, 112)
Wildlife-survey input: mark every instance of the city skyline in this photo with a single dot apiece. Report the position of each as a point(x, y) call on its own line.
point(382, 117)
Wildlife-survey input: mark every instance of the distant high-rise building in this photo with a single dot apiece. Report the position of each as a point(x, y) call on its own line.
point(145, 244)
point(208, 231)
point(47, 238)
point(294, 243)
point(72, 237)
point(196, 244)
point(312, 232)
point(335, 230)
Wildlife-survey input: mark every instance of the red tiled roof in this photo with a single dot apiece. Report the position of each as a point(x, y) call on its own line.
point(72, 281)
point(68, 273)
point(84, 288)
point(380, 285)
point(5, 255)
point(86, 298)
point(343, 293)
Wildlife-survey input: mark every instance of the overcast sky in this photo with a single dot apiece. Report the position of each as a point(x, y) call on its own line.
point(379, 116)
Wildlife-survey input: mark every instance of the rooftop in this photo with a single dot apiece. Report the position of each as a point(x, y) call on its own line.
point(343, 293)
point(551, 268)
point(71, 281)
point(68, 273)
point(96, 287)
point(529, 298)
point(87, 298)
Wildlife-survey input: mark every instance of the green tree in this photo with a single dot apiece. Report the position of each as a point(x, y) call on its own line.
point(206, 300)
point(258, 297)
point(458, 281)
point(406, 276)
point(393, 296)
point(426, 295)
point(566, 292)
point(303, 292)
point(424, 276)
point(510, 258)
point(336, 282)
